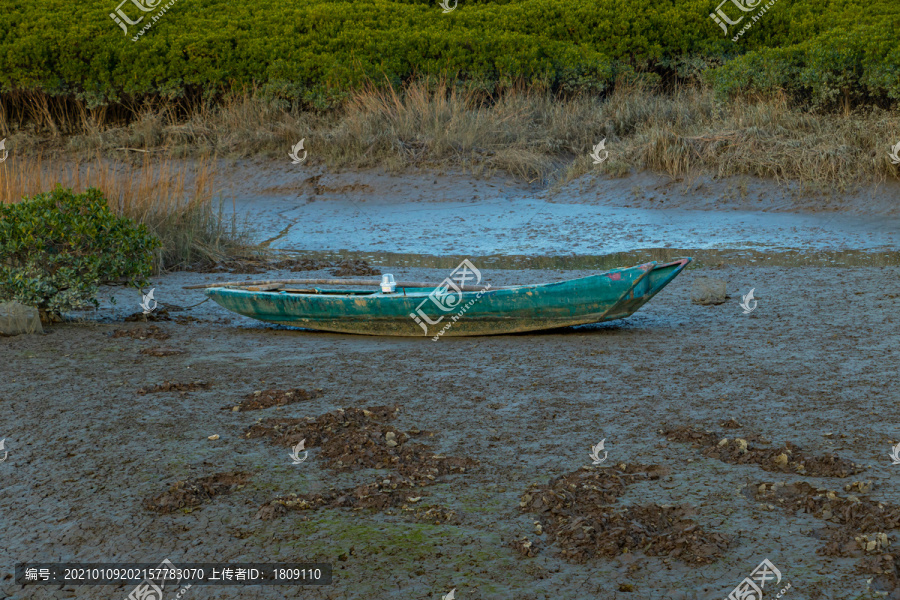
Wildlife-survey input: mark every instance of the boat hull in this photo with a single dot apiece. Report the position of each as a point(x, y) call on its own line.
point(597, 298)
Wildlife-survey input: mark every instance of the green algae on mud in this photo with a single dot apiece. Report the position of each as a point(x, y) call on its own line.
point(388, 544)
point(333, 532)
point(475, 501)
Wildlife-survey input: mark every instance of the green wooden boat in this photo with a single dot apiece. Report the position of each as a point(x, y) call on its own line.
point(451, 309)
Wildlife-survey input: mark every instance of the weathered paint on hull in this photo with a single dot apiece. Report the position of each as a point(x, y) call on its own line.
point(607, 296)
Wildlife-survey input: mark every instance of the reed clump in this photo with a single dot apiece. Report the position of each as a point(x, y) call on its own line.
point(177, 202)
point(527, 132)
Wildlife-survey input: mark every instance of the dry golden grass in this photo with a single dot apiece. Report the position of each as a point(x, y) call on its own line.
point(528, 133)
point(178, 205)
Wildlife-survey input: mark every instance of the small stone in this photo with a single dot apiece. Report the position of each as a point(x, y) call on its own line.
point(781, 460)
point(723, 442)
point(762, 488)
point(708, 290)
point(236, 409)
point(213, 438)
point(742, 445)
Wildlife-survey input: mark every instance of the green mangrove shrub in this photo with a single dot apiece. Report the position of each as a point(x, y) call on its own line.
point(316, 51)
point(57, 248)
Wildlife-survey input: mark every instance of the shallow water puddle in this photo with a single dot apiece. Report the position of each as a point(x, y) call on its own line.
point(528, 226)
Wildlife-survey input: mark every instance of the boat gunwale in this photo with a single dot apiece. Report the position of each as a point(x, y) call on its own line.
point(648, 267)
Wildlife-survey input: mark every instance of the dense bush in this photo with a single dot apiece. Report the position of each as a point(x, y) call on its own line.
point(57, 248)
point(818, 50)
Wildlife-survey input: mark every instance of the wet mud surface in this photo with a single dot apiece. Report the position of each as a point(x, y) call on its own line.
point(338, 268)
point(168, 386)
point(161, 351)
point(261, 399)
point(357, 438)
point(162, 314)
point(853, 525)
point(97, 471)
point(143, 333)
point(576, 511)
point(354, 439)
point(187, 496)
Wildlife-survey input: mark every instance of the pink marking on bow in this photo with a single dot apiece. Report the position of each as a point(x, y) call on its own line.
point(614, 276)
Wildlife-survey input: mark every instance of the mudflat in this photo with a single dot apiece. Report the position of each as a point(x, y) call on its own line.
point(465, 463)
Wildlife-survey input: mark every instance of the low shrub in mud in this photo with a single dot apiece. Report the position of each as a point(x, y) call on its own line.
point(58, 248)
point(192, 493)
point(576, 511)
point(786, 459)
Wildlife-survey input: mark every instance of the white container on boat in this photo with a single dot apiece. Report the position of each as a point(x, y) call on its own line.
point(388, 285)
